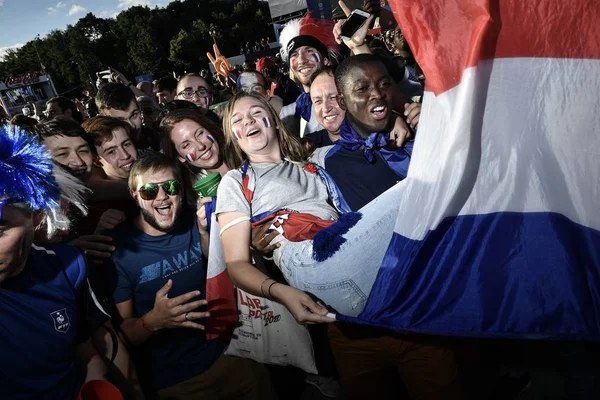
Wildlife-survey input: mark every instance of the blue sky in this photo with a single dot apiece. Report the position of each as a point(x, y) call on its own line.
point(22, 20)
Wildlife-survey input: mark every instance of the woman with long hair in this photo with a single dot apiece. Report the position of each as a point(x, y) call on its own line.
point(196, 141)
point(325, 249)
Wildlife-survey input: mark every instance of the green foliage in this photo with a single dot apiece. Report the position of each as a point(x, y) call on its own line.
point(142, 40)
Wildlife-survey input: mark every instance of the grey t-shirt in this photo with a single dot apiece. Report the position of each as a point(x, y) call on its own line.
point(282, 185)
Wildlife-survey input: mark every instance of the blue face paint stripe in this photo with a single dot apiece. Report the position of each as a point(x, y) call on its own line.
point(212, 140)
point(316, 57)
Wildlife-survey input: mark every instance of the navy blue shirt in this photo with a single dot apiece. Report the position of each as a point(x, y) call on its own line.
point(38, 326)
point(320, 138)
point(144, 264)
point(358, 180)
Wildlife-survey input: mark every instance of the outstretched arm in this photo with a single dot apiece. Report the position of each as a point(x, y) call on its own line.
point(236, 246)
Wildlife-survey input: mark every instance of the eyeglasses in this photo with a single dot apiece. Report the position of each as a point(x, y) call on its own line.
point(149, 191)
point(188, 94)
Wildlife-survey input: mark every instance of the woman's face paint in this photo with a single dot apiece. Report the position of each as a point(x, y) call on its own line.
point(237, 135)
point(210, 138)
point(191, 157)
point(267, 122)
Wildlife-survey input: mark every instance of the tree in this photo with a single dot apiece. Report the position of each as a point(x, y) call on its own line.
point(141, 40)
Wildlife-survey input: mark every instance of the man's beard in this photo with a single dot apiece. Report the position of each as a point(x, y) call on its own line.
point(149, 218)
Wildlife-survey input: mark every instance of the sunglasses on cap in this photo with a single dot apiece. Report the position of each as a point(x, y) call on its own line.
point(149, 191)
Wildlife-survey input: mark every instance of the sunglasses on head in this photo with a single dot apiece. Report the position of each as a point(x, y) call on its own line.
point(149, 191)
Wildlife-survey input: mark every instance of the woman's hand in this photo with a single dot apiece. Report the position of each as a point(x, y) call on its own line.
point(300, 305)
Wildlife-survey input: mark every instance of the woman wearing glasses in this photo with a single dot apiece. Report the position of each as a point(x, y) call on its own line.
point(194, 88)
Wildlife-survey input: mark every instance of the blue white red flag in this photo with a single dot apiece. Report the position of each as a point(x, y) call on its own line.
point(498, 232)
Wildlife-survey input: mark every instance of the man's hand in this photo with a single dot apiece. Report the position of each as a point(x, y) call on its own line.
point(357, 43)
point(300, 305)
point(261, 237)
point(412, 113)
point(201, 214)
point(95, 246)
point(175, 312)
point(399, 133)
point(109, 220)
point(219, 62)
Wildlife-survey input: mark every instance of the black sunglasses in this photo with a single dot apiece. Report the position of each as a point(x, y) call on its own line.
point(149, 191)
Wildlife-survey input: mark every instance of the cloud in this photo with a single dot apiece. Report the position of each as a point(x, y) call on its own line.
point(3, 50)
point(1, 3)
point(75, 9)
point(60, 4)
point(130, 3)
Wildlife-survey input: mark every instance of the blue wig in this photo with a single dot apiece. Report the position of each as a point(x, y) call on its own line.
point(26, 171)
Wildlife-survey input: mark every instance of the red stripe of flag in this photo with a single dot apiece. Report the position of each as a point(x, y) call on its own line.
point(449, 36)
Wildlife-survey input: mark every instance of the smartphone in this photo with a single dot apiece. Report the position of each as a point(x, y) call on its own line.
point(356, 19)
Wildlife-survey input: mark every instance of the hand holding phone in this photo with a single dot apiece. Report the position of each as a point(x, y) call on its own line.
point(356, 19)
point(353, 30)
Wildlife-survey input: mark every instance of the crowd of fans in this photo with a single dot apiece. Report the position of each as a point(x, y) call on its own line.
point(135, 152)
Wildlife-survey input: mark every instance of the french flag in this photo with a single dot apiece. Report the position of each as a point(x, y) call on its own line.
point(220, 292)
point(498, 233)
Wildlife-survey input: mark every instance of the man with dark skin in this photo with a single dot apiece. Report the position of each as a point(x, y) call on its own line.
point(366, 93)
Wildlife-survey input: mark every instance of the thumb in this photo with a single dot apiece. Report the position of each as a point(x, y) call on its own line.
point(316, 308)
point(164, 291)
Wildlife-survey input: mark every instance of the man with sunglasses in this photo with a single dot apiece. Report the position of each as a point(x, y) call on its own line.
point(160, 292)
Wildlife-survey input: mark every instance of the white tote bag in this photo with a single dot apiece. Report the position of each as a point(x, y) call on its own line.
point(269, 334)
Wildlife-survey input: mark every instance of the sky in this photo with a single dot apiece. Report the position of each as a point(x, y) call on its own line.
point(22, 20)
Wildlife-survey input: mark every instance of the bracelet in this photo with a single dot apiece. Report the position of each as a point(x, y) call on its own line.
point(269, 290)
point(261, 287)
point(143, 324)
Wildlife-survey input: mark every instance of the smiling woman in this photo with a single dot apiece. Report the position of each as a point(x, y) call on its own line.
point(321, 249)
point(197, 142)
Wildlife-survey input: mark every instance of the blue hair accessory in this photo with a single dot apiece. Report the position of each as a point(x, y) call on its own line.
point(25, 171)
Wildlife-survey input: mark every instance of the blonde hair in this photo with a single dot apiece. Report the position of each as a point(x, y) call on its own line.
point(289, 145)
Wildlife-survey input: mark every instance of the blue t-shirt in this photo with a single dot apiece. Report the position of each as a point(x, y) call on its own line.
point(144, 264)
point(38, 326)
point(358, 179)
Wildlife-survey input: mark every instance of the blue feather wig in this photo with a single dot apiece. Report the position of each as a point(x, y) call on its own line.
point(26, 170)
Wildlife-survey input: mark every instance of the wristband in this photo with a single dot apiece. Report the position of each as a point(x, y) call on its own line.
point(143, 324)
point(261, 287)
point(269, 290)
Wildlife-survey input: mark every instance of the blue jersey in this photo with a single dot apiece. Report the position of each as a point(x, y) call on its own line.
point(144, 264)
point(38, 326)
point(359, 181)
